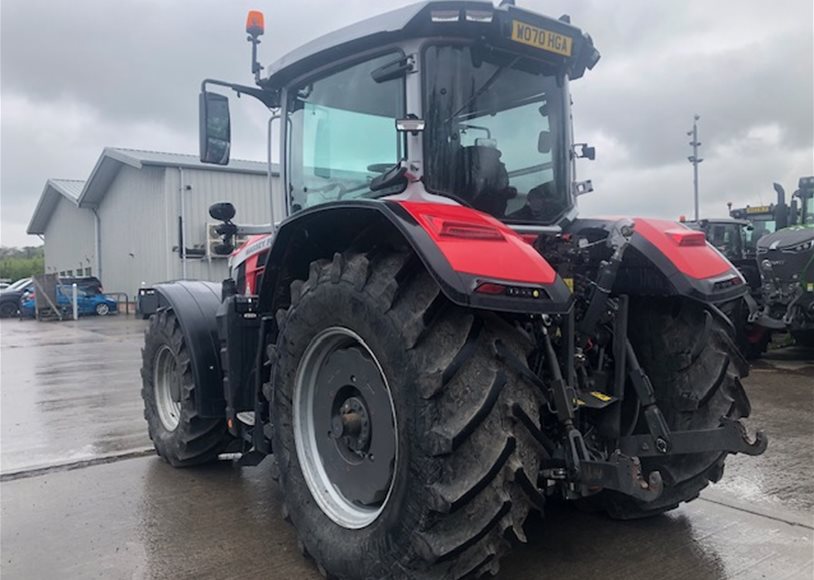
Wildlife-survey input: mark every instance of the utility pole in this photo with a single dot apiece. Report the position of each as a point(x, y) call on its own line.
point(695, 160)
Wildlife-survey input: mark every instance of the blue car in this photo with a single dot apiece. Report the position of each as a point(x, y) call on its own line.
point(87, 303)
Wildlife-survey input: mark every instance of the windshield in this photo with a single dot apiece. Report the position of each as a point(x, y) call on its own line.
point(808, 210)
point(728, 238)
point(496, 133)
point(20, 284)
point(761, 227)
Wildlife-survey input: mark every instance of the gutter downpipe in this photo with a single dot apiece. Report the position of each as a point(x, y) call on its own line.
point(97, 231)
point(182, 207)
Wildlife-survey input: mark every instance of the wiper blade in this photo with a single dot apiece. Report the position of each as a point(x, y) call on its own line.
point(484, 87)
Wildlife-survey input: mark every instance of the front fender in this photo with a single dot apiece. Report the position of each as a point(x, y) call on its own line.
point(195, 304)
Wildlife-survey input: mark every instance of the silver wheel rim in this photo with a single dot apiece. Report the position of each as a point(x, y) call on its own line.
point(166, 377)
point(102, 309)
point(325, 492)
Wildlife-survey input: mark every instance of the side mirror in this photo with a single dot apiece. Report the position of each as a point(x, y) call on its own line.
point(214, 128)
point(222, 211)
point(585, 151)
point(544, 142)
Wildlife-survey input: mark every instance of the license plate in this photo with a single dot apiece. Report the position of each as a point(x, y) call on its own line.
point(541, 38)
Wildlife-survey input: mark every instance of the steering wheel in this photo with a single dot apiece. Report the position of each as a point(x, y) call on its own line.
point(380, 167)
point(328, 187)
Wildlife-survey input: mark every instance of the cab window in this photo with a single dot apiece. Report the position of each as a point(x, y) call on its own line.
point(341, 133)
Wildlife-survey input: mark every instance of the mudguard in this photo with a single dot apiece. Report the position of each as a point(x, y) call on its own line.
point(476, 260)
point(195, 304)
point(668, 258)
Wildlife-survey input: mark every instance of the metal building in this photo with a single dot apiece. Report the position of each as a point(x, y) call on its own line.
point(142, 217)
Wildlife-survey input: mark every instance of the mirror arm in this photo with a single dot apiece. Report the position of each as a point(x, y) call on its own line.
point(269, 98)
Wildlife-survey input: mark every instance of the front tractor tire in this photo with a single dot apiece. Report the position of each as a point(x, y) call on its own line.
point(696, 369)
point(397, 453)
point(179, 435)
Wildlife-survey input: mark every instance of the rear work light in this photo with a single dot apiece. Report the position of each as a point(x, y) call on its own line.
point(687, 237)
point(493, 289)
point(445, 15)
point(478, 15)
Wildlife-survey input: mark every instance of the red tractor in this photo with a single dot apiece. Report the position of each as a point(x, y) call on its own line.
point(435, 343)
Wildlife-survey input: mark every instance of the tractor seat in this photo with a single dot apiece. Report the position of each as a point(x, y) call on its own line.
point(482, 179)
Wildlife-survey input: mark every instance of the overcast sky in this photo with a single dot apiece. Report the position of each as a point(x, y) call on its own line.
point(78, 76)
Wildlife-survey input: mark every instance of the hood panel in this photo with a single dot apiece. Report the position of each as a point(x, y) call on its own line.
point(786, 238)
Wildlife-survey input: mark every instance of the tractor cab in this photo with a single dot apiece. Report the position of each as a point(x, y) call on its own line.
point(456, 102)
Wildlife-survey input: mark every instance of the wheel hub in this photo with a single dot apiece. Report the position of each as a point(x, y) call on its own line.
point(167, 385)
point(351, 426)
point(345, 428)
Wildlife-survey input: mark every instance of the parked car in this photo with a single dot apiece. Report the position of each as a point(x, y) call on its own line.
point(90, 284)
point(10, 297)
point(88, 303)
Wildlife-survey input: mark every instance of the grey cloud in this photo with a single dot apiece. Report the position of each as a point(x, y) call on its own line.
point(77, 76)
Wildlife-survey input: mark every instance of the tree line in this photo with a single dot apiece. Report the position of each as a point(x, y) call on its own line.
point(16, 263)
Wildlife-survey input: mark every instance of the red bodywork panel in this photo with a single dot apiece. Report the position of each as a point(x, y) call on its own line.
point(248, 262)
point(475, 243)
point(681, 246)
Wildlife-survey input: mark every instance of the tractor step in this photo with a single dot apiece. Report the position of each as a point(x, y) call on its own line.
point(246, 417)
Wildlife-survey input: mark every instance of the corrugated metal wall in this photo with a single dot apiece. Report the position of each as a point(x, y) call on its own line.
point(69, 239)
point(133, 233)
point(139, 225)
point(201, 188)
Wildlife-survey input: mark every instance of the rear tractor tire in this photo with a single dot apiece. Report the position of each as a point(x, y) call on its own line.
point(396, 446)
point(180, 436)
point(696, 369)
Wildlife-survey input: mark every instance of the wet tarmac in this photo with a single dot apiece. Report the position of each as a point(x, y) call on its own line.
point(70, 390)
point(70, 398)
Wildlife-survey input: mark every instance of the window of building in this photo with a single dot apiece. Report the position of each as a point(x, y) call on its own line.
point(87, 272)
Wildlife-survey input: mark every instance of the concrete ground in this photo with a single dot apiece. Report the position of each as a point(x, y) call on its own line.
point(81, 494)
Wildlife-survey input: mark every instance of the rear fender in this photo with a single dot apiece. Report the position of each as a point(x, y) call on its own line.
point(195, 304)
point(659, 263)
point(460, 247)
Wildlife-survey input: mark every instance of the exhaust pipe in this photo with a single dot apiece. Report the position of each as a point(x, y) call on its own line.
point(782, 212)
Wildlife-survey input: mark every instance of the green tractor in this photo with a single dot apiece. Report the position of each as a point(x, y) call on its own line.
point(786, 261)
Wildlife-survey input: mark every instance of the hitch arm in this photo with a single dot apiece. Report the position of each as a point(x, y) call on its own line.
point(623, 474)
point(731, 437)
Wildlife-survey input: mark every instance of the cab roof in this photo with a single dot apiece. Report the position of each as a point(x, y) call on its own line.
point(417, 20)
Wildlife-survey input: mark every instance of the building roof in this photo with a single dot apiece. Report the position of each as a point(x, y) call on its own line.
point(54, 190)
point(114, 158)
point(91, 192)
